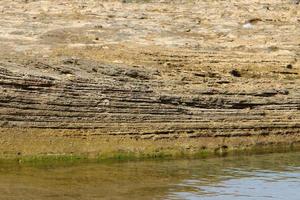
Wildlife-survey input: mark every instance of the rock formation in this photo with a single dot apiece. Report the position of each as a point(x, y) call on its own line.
point(94, 77)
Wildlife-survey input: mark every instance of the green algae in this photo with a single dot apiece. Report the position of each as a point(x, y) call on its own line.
point(121, 156)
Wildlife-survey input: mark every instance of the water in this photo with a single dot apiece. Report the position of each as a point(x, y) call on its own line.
point(257, 177)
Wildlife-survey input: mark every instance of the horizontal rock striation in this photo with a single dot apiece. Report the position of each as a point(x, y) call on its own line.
point(137, 102)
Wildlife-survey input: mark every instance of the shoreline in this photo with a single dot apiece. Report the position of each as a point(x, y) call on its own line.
point(36, 144)
point(125, 157)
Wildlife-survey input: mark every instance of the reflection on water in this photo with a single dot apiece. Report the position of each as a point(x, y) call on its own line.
point(255, 185)
point(270, 176)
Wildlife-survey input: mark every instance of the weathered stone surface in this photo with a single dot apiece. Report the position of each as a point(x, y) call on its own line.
point(159, 70)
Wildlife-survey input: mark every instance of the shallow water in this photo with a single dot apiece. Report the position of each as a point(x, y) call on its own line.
point(269, 176)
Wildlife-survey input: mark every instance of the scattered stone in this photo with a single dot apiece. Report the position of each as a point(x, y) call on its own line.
point(297, 2)
point(254, 20)
point(143, 16)
point(247, 25)
point(106, 102)
point(289, 66)
point(235, 73)
point(132, 73)
point(198, 21)
point(98, 26)
point(250, 23)
point(136, 74)
point(273, 48)
point(199, 74)
point(66, 71)
point(94, 69)
point(223, 82)
point(69, 61)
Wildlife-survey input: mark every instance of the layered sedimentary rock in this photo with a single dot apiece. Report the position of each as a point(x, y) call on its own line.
point(86, 76)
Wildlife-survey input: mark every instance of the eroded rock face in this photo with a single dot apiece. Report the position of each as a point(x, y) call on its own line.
point(148, 71)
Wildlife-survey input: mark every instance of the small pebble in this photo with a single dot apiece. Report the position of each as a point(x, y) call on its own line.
point(289, 66)
point(248, 25)
point(235, 73)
